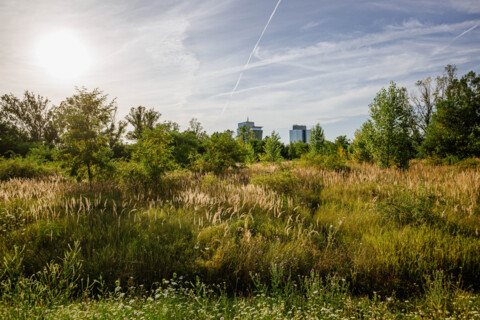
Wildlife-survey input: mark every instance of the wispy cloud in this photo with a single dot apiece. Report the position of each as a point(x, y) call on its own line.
point(253, 50)
point(311, 63)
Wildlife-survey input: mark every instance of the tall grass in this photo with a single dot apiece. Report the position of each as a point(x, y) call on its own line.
point(382, 230)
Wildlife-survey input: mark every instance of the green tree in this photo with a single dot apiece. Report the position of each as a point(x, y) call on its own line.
point(245, 134)
point(455, 128)
point(141, 119)
point(250, 157)
point(360, 147)
point(155, 151)
point(297, 149)
point(390, 131)
point(86, 116)
point(428, 95)
point(12, 141)
point(317, 139)
point(342, 141)
point(114, 132)
point(273, 148)
point(196, 127)
point(221, 152)
point(185, 147)
point(31, 116)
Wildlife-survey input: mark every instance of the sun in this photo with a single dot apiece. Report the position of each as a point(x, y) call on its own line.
point(63, 55)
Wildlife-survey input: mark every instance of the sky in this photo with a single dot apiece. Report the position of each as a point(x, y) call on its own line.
point(277, 62)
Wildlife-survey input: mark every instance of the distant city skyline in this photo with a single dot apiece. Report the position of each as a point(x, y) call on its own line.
point(280, 62)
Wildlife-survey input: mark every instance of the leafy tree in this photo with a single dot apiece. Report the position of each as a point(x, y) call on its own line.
point(86, 116)
point(141, 119)
point(455, 129)
point(427, 98)
point(245, 134)
point(221, 152)
point(156, 151)
point(12, 141)
point(360, 147)
point(114, 132)
point(258, 146)
point(389, 134)
point(317, 139)
point(197, 129)
point(185, 147)
point(292, 151)
point(273, 148)
point(297, 149)
point(343, 142)
point(31, 116)
point(250, 157)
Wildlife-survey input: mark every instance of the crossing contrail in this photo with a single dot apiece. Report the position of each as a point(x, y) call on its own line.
point(251, 53)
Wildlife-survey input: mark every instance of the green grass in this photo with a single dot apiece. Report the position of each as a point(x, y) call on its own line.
point(392, 235)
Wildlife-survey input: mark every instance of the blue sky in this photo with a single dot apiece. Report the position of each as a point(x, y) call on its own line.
point(317, 62)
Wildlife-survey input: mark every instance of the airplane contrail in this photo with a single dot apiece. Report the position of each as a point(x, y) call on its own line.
point(457, 37)
point(251, 53)
point(465, 32)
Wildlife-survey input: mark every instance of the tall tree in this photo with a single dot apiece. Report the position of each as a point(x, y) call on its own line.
point(114, 132)
point(390, 135)
point(31, 116)
point(141, 119)
point(455, 129)
point(197, 129)
point(155, 151)
point(427, 96)
point(273, 148)
point(360, 147)
point(86, 116)
point(317, 139)
point(342, 141)
point(245, 134)
point(221, 152)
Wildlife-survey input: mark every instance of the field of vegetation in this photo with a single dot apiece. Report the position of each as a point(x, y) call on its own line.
point(183, 224)
point(268, 241)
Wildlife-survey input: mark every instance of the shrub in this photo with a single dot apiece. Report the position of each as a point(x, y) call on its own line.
point(23, 168)
point(222, 152)
point(281, 181)
point(405, 208)
point(131, 173)
point(469, 163)
point(155, 152)
point(327, 161)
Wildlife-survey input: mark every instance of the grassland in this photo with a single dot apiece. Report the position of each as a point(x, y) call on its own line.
point(287, 240)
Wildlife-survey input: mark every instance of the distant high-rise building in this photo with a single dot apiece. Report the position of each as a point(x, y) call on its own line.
point(299, 133)
point(255, 129)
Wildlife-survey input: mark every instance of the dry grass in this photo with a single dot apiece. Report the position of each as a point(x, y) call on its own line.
point(382, 229)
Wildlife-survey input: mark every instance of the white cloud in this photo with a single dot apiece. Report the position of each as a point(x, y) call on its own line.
point(470, 6)
point(183, 57)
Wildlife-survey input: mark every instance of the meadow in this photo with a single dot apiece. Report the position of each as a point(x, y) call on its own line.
point(290, 240)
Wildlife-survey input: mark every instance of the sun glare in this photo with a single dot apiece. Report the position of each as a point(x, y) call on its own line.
point(63, 55)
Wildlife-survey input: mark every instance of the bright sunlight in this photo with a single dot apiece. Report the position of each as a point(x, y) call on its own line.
point(63, 55)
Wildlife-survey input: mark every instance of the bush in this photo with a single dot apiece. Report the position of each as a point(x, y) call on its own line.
point(326, 161)
point(469, 163)
point(23, 168)
point(404, 208)
point(282, 181)
point(222, 152)
point(131, 173)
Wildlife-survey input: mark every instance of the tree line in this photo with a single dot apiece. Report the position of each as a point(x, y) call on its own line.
point(440, 120)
